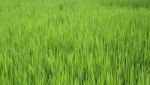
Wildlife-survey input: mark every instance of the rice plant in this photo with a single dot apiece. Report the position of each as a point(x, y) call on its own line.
point(74, 42)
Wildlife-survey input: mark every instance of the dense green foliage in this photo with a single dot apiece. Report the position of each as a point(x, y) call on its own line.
point(75, 42)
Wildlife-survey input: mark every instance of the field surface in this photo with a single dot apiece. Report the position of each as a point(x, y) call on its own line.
point(74, 42)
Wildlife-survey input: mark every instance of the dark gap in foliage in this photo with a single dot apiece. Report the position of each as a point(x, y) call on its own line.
point(61, 7)
point(48, 74)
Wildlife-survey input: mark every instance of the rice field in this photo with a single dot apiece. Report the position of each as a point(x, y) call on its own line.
point(74, 42)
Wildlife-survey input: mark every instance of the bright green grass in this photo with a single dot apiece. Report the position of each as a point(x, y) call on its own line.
point(75, 42)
